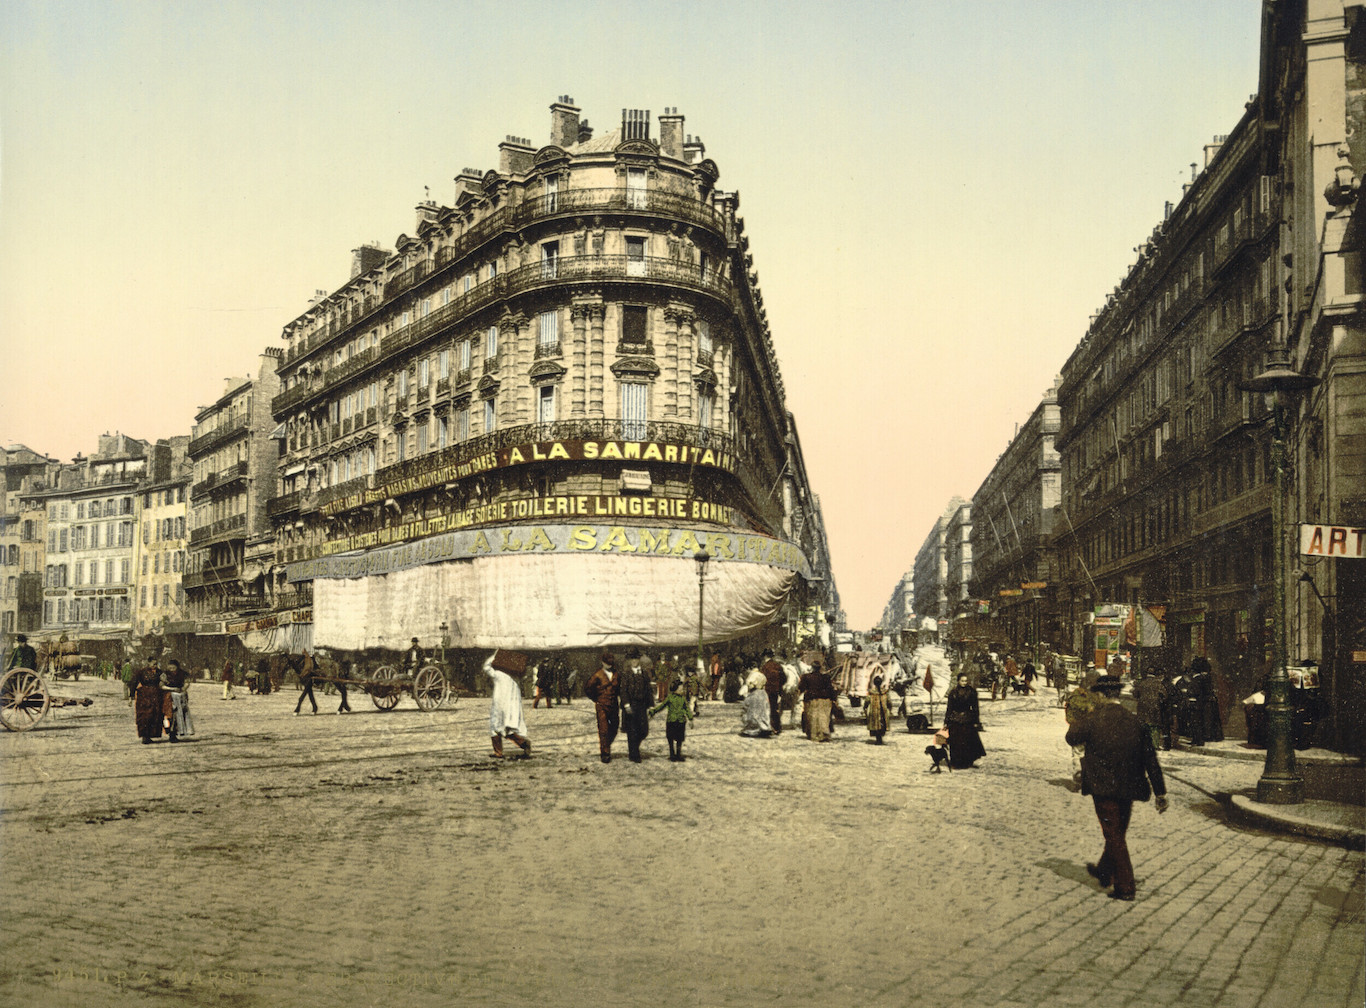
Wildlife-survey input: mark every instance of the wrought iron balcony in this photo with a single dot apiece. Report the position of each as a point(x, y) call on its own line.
point(222, 478)
point(203, 443)
point(233, 527)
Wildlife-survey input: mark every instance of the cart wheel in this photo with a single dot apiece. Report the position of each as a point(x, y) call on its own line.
point(385, 693)
point(23, 699)
point(430, 688)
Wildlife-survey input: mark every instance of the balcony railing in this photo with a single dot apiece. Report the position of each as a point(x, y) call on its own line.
point(649, 201)
point(287, 504)
point(222, 574)
point(532, 277)
point(221, 478)
point(221, 527)
point(200, 444)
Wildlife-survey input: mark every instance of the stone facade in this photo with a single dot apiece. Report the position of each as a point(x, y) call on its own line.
point(1014, 512)
point(234, 460)
point(581, 328)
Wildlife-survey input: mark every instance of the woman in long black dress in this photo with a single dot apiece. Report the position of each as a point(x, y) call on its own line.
point(964, 721)
point(147, 702)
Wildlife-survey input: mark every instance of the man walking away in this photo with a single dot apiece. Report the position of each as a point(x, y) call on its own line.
point(1116, 770)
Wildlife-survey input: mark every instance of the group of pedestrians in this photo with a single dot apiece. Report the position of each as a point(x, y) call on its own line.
point(161, 700)
point(622, 699)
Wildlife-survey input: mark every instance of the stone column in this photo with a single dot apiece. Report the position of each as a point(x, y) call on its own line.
point(675, 317)
point(514, 362)
point(686, 359)
point(577, 386)
point(597, 316)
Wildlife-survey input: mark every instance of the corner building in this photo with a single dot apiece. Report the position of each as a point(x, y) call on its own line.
point(519, 427)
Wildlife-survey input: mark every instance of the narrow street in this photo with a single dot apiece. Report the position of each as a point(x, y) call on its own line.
point(384, 858)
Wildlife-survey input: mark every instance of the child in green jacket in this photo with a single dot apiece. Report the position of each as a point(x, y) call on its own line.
point(676, 721)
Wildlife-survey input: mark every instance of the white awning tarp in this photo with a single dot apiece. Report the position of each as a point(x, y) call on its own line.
point(539, 602)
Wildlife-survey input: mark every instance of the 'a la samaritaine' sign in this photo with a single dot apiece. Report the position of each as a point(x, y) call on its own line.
point(681, 543)
point(1339, 541)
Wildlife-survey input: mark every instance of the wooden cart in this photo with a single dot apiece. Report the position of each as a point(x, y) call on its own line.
point(25, 700)
point(386, 685)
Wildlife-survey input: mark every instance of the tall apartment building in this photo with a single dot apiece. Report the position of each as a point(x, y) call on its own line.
point(958, 562)
point(899, 612)
point(234, 456)
point(162, 541)
point(520, 426)
point(1166, 475)
point(931, 572)
point(24, 470)
point(1168, 462)
point(89, 512)
point(1014, 512)
point(1312, 116)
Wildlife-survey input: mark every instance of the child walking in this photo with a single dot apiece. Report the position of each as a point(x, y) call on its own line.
point(936, 751)
point(676, 721)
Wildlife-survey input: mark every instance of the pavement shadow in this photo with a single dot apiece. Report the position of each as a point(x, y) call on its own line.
point(1072, 871)
point(1066, 783)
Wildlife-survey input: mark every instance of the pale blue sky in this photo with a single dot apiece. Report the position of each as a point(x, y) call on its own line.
point(937, 195)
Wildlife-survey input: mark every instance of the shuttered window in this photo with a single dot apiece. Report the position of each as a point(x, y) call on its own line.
point(635, 409)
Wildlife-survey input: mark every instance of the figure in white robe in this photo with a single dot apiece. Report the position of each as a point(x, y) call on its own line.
point(506, 719)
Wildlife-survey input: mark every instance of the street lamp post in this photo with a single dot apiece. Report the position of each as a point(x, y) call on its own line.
point(1280, 783)
point(701, 556)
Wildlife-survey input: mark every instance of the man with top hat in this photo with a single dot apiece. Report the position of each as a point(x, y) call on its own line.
point(635, 692)
point(1119, 764)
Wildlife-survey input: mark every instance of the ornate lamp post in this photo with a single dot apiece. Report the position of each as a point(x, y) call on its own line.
point(701, 556)
point(1280, 783)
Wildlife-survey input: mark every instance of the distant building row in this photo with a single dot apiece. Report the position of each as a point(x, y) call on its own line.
point(1146, 475)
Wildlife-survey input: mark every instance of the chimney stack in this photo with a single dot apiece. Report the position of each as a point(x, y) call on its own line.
point(671, 133)
point(366, 258)
point(635, 124)
point(564, 122)
point(515, 156)
point(470, 180)
point(693, 151)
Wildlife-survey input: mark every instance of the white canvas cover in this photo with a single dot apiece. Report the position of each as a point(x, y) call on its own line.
point(539, 601)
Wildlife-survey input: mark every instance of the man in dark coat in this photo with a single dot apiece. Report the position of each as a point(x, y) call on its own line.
point(1151, 693)
point(1119, 764)
point(635, 692)
point(602, 688)
point(773, 686)
point(23, 655)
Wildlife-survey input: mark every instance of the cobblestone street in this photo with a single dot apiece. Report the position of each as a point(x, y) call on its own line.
point(384, 858)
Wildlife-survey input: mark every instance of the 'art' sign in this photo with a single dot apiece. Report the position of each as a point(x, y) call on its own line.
point(1333, 541)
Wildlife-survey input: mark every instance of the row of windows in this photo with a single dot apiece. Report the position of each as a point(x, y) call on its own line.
point(97, 610)
point(162, 498)
point(56, 574)
point(91, 509)
point(164, 563)
point(88, 537)
point(163, 528)
point(165, 596)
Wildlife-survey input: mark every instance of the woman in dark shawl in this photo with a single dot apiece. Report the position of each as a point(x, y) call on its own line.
point(964, 721)
point(147, 702)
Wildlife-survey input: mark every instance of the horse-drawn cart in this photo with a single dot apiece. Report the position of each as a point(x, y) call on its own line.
point(25, 700)
point(386, 685)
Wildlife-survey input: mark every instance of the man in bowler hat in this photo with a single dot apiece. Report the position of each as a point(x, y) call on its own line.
point(1119, 764)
